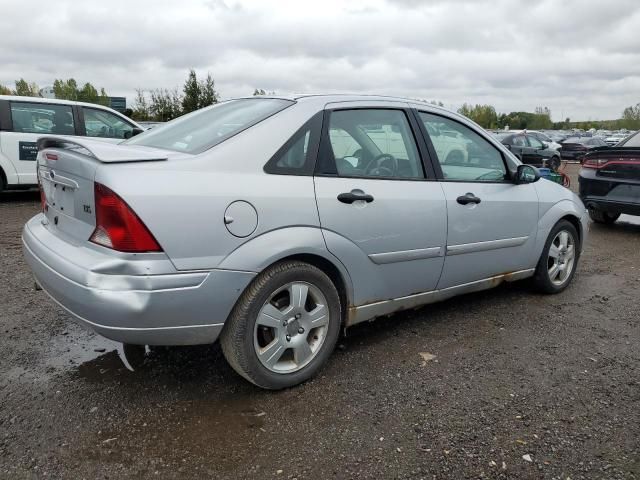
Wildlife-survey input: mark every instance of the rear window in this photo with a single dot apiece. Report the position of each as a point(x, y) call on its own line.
point(203, 129)
point(633, 141)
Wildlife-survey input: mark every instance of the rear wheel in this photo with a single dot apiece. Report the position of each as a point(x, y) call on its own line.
point(284, 327)
point(559, 259)
point(599, 216)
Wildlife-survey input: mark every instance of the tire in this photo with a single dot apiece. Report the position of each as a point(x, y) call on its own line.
point(547, 279)
point(554, 163)
point(265, 351)
point(2, 184)
point(599, 216)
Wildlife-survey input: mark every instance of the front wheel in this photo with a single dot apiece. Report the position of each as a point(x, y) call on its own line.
point(559, 259)
point(284, 327)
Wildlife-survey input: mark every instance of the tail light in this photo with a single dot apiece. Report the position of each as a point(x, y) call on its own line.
point(594, 162)
point(117, 225)
point(597, 163)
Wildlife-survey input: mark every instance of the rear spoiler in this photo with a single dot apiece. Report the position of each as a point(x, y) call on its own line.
point(102, 151)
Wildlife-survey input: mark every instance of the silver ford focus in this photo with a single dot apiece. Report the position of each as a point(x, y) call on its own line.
point(273, 223)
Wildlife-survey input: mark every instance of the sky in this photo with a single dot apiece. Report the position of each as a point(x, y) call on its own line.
point(580, 58)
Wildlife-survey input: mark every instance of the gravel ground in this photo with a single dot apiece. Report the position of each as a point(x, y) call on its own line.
point(519, 386)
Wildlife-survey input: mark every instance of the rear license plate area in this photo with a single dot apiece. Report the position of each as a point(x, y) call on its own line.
point(59, 196)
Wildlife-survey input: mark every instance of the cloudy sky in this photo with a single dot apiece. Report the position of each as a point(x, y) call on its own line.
point(581, 58)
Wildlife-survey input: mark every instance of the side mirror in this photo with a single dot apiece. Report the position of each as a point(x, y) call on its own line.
point(544, 145)
point(527, 174)
point(508, 146)
point(135, 131)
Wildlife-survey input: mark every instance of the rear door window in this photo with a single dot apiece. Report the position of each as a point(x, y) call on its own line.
point(42, 118)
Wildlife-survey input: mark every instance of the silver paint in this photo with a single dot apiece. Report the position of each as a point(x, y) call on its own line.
point(413, 245)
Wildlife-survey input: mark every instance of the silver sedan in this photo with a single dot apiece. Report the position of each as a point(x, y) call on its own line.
point(273, 223)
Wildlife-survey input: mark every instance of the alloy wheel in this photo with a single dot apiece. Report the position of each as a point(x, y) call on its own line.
point(562, 257)
point(291, 327)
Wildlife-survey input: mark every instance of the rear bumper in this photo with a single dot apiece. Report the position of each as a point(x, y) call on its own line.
point(115, 298)
point(608, 194)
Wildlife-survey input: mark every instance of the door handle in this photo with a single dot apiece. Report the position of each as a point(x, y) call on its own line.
point(355, 195)
point(468, 198)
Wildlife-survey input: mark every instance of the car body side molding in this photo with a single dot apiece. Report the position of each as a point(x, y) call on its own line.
point(484, 246)
point(406, 255)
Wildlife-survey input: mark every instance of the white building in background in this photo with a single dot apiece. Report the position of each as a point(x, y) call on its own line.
point(47, 92)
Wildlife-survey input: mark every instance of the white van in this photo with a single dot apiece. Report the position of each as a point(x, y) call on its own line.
point(25, 119)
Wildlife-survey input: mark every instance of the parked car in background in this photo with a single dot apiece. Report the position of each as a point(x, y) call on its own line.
point(610, 181)
point(321, 212)
point(542, 136)
point(575, 148)
point(23, 120)
point(530, 150)
point(615, 138)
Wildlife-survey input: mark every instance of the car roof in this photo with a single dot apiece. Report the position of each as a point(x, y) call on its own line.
point(50, 101)
point(347, 97)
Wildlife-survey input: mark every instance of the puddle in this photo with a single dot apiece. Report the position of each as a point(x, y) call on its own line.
point(75, 346)
point(91, 356)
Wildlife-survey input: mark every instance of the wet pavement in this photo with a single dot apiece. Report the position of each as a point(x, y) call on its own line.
point(474, 387)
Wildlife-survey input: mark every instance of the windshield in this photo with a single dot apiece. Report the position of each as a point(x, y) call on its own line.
point(205, 128)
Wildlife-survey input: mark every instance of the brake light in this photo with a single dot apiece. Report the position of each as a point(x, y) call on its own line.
point(51, 156)
point(117, 225)
point(598, 163)
point(594, 162)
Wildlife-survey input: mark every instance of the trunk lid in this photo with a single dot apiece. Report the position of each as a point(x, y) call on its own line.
point(66, 172)
point(621, 163)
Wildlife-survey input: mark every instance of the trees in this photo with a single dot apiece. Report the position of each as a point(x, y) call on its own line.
point(89, 94)
point(483, 115)
point(191, 91)
point(65, 89)
point(166, 104)
point(141, 110)
point(68, 90)
point(198, 94)
point(6, 90)
point(257, 92)
point(631, 117)
point(208, 94)
point(25, 89)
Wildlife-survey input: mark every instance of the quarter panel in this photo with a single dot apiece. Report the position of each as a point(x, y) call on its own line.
point(184, 207)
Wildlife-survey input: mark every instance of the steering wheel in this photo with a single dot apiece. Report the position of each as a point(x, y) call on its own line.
point(377, 167)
